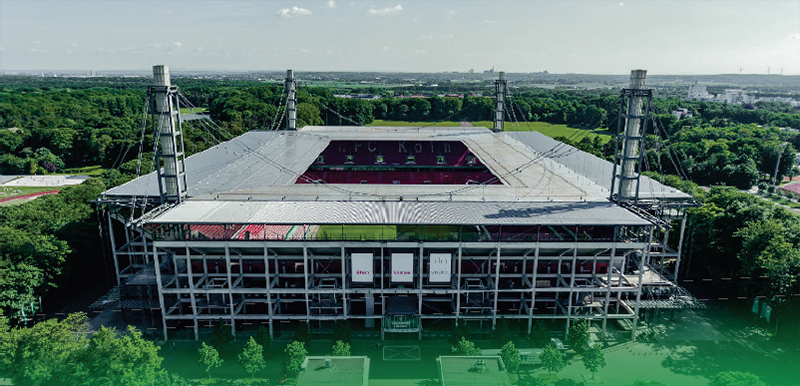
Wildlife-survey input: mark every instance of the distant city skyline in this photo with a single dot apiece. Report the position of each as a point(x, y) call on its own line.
point(572, 36)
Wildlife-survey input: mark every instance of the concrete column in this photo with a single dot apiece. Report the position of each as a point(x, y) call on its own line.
point(269, 289)
point(166, 130)
point(230, 289)
point(160, 288)
point(191, 294)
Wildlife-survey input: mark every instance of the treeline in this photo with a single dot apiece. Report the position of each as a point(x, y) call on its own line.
point(48, 243)
point(46, 131)
point(66, 352)
point(748, 246)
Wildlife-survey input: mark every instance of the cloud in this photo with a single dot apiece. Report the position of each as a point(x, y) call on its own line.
point(177, 44)
point(621, 4)
point(420, 52)
point(330, 4)
point(294, 11)
point(36, 42)
point(385, 11)
point(489, 22)
point(426, 37)
point(451, 13)
point(37, 51)
point(795, 36)
point(385, 48)
point(448, 37)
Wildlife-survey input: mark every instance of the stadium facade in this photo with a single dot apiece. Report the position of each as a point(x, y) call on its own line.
point(397, 228)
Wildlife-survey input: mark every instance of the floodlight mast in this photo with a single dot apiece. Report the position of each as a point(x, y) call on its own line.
point(500, 90)
point(291, 101)
point(167, 136)
point(628, 160)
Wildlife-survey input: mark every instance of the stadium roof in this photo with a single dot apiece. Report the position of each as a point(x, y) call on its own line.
point(541, 178)
point(400, 212)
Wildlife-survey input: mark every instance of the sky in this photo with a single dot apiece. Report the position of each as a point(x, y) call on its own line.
point(565, 36)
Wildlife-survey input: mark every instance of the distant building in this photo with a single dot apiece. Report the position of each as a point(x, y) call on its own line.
point(698, 92)
point(334, 371)
point(682, 113)
point(478, 370)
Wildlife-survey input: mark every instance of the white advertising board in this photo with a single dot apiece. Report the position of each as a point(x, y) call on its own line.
point(440, 268)
point(402, 267)
point(361, 265)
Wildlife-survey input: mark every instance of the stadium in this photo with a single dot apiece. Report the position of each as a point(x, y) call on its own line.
point(396, 229)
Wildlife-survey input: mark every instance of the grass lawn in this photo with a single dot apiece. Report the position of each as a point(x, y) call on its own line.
point(545, 128)
point(95, 170)
point(696, 345)
point(12, 191)
point(199, 110)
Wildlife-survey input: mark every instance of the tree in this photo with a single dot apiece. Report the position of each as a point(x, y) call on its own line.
point(530, 381)
point(222, 335)
point(208, 358)
point(302, 334)
point(510, 355)
point(648, 383)
point(466, 348)
point(108, 360)
point(460, 331)
point(500, 332)
point(578, 336)
point(539, 336)
point(552, 360)
point(736, 378)
point(294, 356)
point(43, 354)
point(252, 357)
point(170, 379)
point(340, 349)
point(342, 331)
point(263, 338)
point(594, 359)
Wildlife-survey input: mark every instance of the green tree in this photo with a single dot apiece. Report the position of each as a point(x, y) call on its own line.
point(594, 359)
point(222, 335)
point(552, 360)
point(500, 332)
point(539, 336)
point(342, 331)
point(302, 334)
point(109, 360)
point(170, 379)
point(466, 348)
point(208, 358)
point(340, 349)
point(736, 378)
point(460, 331)
point(252, 357)
point(578, 336)
point(530, 381)
point(263, 338)
point(294, 356)
point(44, 353)
point(648, 383)
point(510, 355)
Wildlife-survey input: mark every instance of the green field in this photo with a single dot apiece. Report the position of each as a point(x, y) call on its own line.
point(545, 128)
point(199, 110)
point(95, 170)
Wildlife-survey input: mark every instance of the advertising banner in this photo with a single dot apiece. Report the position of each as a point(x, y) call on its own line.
point(361, 264)
point(402, 267)
point(440, 268)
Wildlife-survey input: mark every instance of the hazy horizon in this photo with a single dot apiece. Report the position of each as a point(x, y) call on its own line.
point(709, 37)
